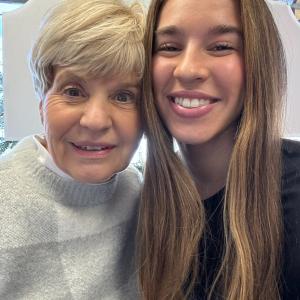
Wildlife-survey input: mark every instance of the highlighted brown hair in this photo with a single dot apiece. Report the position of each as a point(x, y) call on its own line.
point(172, 217)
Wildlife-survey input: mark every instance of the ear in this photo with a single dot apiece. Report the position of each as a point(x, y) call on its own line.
point(41, 111)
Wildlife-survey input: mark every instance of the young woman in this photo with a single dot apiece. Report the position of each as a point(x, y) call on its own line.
point(220, 220)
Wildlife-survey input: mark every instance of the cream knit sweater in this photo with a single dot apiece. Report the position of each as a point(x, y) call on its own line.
point(63, 239)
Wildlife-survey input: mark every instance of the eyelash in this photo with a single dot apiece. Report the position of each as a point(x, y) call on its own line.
point(120, 96)
point(67, 90)
point(222, 47)
point(166, 47)
point(170, 48)
point(130, 97)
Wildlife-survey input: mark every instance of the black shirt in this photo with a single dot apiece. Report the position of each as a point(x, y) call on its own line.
point(213, 238)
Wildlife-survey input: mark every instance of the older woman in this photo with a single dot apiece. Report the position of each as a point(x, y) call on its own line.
point(68, 200)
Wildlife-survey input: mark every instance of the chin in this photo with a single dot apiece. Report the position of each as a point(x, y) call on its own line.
point(94, 174)
point(95, 180)
point(91, 178)
point(189, 140)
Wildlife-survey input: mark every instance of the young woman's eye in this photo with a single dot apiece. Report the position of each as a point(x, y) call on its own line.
point(166, 47)
point(222, 47)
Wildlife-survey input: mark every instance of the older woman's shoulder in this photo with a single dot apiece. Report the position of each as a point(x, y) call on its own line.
point(21, 151)
point(25, 144)
point(131, 177)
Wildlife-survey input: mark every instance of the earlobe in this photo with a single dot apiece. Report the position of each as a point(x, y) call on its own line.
point(41, 111)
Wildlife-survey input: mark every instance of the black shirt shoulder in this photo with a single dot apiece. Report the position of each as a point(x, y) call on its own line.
point(291, 174)
point(291, 217)
point(291, 161)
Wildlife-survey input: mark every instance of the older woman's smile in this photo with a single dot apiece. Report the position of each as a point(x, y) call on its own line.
point(92, 126)
point(92, 150)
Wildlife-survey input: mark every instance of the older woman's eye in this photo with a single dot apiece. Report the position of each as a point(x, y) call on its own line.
point(125, 97)
point(73, 92)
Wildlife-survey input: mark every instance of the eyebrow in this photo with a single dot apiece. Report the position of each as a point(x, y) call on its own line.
point(131, 85)
point(168, 30)
point(215, 30)
point(223, 29)
point(127, 85)
point(67, 75)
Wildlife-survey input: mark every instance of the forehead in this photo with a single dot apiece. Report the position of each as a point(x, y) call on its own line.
point(179, 12)
point(66, 73)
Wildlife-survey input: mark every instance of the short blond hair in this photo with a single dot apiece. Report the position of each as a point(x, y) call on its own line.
point(95, 37)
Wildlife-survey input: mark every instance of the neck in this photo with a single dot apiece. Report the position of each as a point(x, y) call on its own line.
point(209, 163)
point(48, 183)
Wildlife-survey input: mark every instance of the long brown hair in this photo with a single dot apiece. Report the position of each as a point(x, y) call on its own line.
point(172, 217)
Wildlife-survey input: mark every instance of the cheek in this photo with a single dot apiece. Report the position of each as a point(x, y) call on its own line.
point(232, 73)
point(161, 73)
point(52, 124)
point(137, 129)
point(130, 126)
point(58, 119)
point(236, 82)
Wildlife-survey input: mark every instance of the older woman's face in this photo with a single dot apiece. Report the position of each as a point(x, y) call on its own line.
point(92, 126)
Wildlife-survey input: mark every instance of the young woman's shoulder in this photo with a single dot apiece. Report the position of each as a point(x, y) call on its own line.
point(291, 165)
point(291, 216)
point(291, 176)
point(291, 154)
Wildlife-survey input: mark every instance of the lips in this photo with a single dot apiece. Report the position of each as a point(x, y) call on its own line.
point(192, 102)
point(91, 147)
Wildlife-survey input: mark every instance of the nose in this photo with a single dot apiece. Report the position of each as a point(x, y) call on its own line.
point(192, 65)
point(96, 115)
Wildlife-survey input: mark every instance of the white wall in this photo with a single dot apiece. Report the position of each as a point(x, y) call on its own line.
point(21, 105)
point(290, 33)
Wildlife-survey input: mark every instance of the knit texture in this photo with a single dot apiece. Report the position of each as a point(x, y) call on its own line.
point(63, 239)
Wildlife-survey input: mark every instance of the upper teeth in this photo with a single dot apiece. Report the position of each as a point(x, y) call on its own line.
point(191, 103)
point(91, 148)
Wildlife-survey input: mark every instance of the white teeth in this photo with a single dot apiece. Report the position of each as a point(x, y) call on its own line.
point(177, 100)
point(191, 103)
point(91, 148)
point(186, 103)
point(195, 103)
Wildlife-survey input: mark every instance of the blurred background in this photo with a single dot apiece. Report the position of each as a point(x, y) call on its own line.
point(8, 8)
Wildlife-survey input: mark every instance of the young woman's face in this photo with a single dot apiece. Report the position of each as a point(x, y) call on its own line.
point(92, 126)
point(198, 70)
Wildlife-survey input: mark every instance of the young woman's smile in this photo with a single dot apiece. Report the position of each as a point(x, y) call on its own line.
point(191, 104)
point(198, 69)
